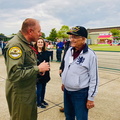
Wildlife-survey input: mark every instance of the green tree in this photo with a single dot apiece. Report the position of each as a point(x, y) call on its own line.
point(53, 35)
point(13, 34)
point(43, 35)
point(62, 32)
point(2, 34)
point(115, 34)
point(3, 37)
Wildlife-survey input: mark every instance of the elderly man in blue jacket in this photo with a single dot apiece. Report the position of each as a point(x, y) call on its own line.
point(79, 77)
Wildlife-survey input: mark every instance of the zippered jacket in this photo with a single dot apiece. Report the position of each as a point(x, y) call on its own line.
point(22, 70)
point(81, 72)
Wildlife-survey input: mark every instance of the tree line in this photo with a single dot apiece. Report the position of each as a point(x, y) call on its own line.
point(61, 34)
point(54, 34)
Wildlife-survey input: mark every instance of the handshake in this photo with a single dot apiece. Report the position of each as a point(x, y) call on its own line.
point(43, 67)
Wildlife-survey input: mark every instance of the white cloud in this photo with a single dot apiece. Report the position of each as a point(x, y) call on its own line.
point(55, 13)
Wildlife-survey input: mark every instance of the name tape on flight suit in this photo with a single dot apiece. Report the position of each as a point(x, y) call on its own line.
point(15, 52)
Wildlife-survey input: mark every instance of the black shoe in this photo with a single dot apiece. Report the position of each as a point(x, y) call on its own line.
point(38, 105)
point(42, 106)
point(44, 103)
point(61, 109)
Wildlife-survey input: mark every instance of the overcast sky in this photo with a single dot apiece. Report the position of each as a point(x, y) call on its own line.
point(55, 13)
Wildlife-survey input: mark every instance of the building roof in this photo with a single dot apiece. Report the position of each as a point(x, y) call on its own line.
point(102, 29)
point(2, 36)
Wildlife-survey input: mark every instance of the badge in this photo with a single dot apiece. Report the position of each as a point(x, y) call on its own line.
point(15, 52)
point(80, 59)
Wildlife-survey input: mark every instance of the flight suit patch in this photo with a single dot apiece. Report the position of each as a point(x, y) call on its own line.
point(15, 52)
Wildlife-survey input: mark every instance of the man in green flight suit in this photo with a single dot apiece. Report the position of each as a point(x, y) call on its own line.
point(22, 71)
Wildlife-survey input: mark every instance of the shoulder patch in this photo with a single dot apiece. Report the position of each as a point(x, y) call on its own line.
point(15, 52)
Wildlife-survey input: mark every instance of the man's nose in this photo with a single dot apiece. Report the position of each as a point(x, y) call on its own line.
point(40, 34)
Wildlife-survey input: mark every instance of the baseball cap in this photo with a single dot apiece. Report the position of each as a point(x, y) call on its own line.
point(79, 31)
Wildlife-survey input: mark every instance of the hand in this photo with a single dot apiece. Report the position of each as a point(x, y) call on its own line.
point(90, 104)
point(60, 71)
point(42, 73)
point(43, 67)
point(62, 87)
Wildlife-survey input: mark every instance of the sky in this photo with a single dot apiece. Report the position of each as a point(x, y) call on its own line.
point(56, 13)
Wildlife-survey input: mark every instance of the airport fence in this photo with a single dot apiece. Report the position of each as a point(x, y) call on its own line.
point(109, 61)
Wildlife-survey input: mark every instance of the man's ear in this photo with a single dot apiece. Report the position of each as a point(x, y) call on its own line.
point(30, 31)
point(84, 40)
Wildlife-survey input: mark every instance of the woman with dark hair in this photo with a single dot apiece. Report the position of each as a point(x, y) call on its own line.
point(42, 78)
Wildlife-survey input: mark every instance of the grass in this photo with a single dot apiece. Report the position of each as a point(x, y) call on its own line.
point(105, 48)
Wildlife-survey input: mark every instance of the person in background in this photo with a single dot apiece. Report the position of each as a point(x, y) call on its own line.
point(42, 78)
point(50, 46)
point(50, 49)
point(79, 77)
point(3, 46)
point(67, 45)
point(22, 70)
point(59, 47)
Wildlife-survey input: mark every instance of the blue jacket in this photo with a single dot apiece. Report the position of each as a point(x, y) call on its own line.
point(60, 45)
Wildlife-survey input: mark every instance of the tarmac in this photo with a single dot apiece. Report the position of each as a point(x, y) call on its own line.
point(107, 101)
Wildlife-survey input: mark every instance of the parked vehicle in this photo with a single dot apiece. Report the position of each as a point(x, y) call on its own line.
point(118, 44)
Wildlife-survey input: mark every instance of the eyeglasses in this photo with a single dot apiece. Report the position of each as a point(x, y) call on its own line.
point(75, 37)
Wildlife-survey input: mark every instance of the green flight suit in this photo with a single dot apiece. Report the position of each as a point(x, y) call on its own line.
point(22, 70)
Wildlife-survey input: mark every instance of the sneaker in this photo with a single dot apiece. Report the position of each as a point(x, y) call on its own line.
point(61, 109)
point(44, 103)
point(42, 106)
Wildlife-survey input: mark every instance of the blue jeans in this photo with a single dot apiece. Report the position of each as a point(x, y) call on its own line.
point(41, 88)
point(75, 104)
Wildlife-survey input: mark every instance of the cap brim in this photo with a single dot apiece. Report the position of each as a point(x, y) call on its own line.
point(72, 33)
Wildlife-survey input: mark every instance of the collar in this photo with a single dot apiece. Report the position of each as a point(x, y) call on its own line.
point(22, 38)
point(19, 34)
point(84, 49)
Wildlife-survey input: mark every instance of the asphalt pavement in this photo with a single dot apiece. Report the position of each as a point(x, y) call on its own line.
point(107, 101)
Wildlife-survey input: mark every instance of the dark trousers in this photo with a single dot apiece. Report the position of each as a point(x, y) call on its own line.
point(75, 104)
point(2, 51)
point(58, 54)
point(51, 55)
point(41, 88)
